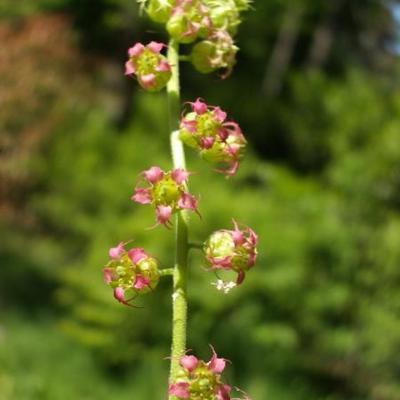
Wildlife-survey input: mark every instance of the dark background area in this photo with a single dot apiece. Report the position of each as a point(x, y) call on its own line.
point(316, 92)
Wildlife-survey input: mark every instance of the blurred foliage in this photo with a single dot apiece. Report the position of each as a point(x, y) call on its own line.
point(317, 318)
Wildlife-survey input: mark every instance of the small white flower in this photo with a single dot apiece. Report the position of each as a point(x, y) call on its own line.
point(224, 286)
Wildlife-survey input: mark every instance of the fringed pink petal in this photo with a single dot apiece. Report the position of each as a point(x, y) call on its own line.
point(207, 142)
point(219, 114)
point(179, 389)
point(136, 254)
point(135, 50)
point(117, 251)
point(141, 282)
point(107, 275)
point(189, 125)
point(223, 392)
point(142, 196)
point(163, 214)
point(119, 295)
point(129, 68)
point(199, 107)
point(216, 365)
point(179, 175)
point(189, 362)
point(163, 66)
point(147, 81)
point(153, 174)
point(156, 47)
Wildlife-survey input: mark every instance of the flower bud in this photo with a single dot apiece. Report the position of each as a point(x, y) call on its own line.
point(217, 140)
point(150, 67)
point(217, 52)
point(189, 20)
point(166, 192)
point(130, 273)
point(159, 10)
point(232, 250)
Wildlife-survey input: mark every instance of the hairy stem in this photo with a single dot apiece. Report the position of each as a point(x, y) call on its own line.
point(179, 296)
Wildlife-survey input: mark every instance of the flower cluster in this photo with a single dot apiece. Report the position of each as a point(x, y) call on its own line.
point(200, 380)
point(213, 22)
point(130, 273)
point(232, 250)
point(217, 139)
point(148, 64)
point(166, 192)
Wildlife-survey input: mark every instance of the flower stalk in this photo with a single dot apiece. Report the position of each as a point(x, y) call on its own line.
point(179, 295)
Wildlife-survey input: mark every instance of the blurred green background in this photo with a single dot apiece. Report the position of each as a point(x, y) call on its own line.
point(316, 92)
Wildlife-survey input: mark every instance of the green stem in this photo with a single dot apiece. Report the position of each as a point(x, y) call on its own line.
point(166, 271)
point(179, 296)
point(196, 245)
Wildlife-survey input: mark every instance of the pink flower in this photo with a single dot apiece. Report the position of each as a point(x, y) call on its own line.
point(179, 389)
point(116, 252)
point(167, 192)
point(189, 362)
point(149, 65)
point(132, 273)
point(217, 140)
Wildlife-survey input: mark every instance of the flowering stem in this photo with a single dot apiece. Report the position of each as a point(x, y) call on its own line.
point(179, 296)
